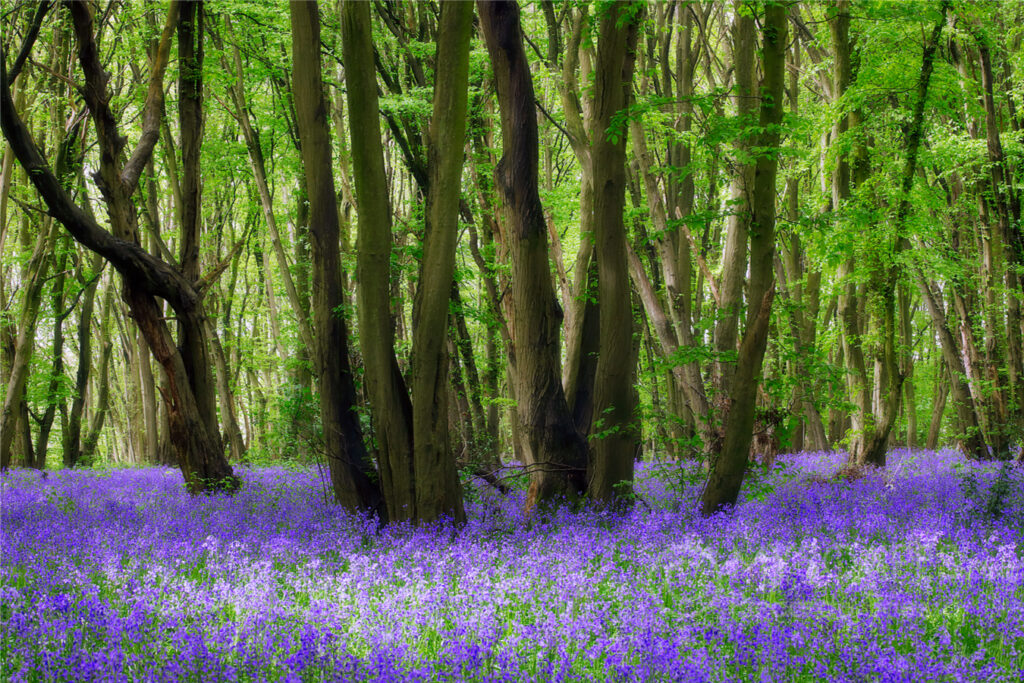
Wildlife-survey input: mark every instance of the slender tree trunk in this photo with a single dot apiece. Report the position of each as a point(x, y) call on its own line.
point(34, 279)
point(970, 436)
point(57, 353)
point(348, 461)
point(906, 365)
point(734, 255)
point(728, 468)
point(101, 386)
point(72, 434)
point(390, 407)
point(941, 390)
point(885, 281)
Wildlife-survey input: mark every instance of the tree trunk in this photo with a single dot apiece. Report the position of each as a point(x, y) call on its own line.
point(72, 435)
point(192, 338)
point(349, 463)
point(200, 454)
point(100, 386)
point(57, 353)
point(552, 443)
point(885, 280)
point(734, 254)
point(438, 490)
point(34, 279)
point(615, 444)
point(727, 470)
point(941, 389)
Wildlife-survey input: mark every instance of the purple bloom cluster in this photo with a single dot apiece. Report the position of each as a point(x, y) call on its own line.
point(901, 576)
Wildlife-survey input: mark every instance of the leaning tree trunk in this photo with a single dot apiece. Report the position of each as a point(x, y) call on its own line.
point(555, 449)
point(884, 283)
point(348, 461)
point(198, 448)
point(734, 253)
point(727, 470)
point(390, 407)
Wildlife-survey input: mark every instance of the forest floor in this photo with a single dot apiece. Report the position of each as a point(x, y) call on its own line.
point(913, 573)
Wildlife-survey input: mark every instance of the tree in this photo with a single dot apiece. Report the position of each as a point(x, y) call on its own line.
point(615, 445)
point(349, 463)
point(417, 468)
point(553, 448)
point(194, 432)
point(727, 470)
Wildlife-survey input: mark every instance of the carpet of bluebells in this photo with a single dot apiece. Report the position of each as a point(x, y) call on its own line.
point(914, 573)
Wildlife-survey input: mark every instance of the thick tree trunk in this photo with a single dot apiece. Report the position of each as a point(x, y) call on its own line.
point(193, 340)
point(552, 443)
point(390, 407)
point(349, 463)
point(438, 491)
point(616, 439)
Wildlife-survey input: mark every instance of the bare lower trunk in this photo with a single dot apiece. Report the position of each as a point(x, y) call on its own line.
point(941, 385)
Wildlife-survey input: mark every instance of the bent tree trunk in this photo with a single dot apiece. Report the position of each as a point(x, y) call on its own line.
point(554, 448)
point(197, 444)
point(884, 283)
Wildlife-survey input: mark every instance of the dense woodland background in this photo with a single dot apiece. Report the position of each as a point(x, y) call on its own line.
point(413, 241)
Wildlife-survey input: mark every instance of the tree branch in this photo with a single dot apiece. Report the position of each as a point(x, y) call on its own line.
point(30, 39)
point(134, 263)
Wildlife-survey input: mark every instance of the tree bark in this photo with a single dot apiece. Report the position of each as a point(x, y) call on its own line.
point(727, 470)
point(35, 278)
point(884, 282)
point(200, 453)
point(437, 486)
point(552, 444)
point(616, 443)
point(349, 463)
point(734, 254)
